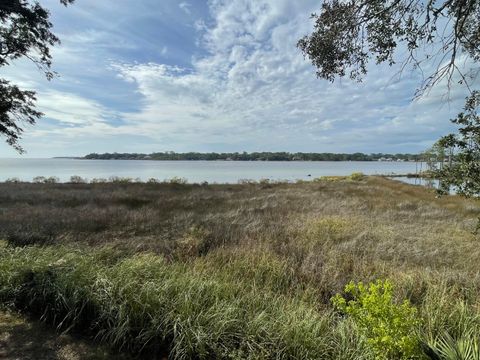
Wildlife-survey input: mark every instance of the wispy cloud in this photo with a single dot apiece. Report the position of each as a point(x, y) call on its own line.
point(185, 6)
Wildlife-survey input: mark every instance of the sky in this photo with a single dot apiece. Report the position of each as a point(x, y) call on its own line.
point(213, 76)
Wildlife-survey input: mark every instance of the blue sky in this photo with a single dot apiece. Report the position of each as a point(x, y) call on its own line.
point(219, 75)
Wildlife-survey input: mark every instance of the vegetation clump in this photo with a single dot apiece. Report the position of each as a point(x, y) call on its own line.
point(391, 330)
point(357, 176)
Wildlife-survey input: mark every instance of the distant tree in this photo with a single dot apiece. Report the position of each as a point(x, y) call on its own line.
point(25, 31)
point(349, 33)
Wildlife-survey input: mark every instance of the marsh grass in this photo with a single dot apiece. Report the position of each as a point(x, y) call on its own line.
point(235, 271)
point(247, 307)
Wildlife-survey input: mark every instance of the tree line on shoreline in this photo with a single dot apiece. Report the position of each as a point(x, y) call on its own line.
point(255, 156)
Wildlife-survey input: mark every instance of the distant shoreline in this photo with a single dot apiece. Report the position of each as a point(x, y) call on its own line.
point(256, 156)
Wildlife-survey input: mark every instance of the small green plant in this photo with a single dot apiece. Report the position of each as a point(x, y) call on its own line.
point(445, 347)
point(357, 176)
point(390, 329)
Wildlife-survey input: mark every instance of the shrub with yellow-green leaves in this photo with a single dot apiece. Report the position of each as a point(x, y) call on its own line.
point(390, 328)
point(357, 176)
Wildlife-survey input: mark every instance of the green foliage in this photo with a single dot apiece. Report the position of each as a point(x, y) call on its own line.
point(357, 176)
point(445, 347)
point(463, 172)
point(390, 329)
point(463, 169)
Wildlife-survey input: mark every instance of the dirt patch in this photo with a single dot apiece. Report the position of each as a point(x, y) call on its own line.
point(24, 339)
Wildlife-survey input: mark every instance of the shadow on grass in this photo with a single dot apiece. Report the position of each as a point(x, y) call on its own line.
point(21, 339)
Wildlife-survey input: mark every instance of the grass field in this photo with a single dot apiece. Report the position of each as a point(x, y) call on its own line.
point(237, 271)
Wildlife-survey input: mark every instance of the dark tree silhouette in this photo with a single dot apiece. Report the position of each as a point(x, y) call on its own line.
point(349, 33)
point(25, 31)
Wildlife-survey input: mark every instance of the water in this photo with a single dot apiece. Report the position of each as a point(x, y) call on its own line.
point(430, 183)
point(194, 171)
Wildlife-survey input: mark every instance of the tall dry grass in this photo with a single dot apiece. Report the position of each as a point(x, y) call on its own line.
point(235, 271)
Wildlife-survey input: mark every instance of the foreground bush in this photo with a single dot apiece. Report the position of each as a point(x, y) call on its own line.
point(391, 330)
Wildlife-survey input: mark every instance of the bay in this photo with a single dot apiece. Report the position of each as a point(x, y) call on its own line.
point(26, 169)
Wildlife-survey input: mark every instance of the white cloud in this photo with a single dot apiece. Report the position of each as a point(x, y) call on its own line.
point(255, 88)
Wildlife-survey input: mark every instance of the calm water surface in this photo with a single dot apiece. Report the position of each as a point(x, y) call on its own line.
point(194, 171)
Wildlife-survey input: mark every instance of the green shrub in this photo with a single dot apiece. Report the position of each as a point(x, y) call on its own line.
point(357, 176)
point(390, 329)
